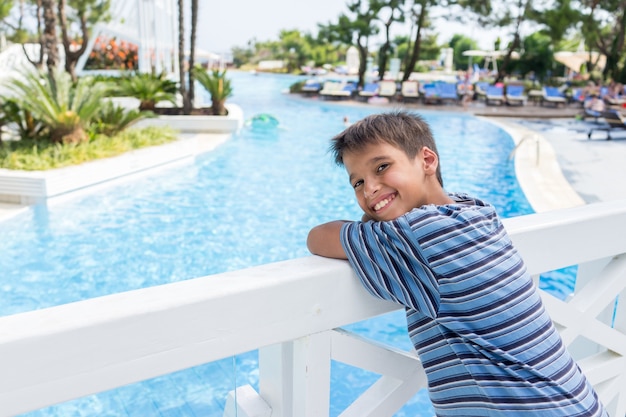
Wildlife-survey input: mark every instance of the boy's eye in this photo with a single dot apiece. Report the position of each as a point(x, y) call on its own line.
point(382, 167)
point(357, 184)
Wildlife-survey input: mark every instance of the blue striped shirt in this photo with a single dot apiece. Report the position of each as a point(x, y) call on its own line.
point(474, 316)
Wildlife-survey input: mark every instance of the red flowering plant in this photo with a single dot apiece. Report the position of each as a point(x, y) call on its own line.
point(108, 53)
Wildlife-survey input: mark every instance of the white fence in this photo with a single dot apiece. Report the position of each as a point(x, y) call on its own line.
point(291, 311)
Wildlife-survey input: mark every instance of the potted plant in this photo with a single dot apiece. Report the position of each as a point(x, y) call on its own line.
point(217, 85)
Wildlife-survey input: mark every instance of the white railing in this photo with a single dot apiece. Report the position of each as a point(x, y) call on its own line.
point(291, 311)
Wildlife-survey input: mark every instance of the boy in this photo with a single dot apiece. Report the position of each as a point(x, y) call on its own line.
point(474, 316)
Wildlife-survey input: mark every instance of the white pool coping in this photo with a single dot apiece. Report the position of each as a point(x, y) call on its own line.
point(537, 169)
point(20, 189)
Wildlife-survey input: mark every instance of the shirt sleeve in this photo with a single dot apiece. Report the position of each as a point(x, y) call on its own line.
point(388, 261)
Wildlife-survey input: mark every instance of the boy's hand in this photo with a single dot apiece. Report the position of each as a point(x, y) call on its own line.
point(324, 240)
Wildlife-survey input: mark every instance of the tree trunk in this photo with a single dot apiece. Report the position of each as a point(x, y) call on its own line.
point(72, 57)
point(383, 53)
point(50, 36)
point(362, 61)
point(416, 45)
point(39, 63)
point(181, 54)
point(192, 52)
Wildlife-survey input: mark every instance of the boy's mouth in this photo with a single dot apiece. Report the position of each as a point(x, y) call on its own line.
point(383, 203)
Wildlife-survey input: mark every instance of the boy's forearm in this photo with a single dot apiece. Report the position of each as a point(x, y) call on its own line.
point(325, 240)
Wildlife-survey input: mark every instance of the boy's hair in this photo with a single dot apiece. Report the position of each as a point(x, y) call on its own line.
point(406, 131)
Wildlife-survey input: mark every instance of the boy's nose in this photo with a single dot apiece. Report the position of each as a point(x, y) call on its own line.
point(371, 188)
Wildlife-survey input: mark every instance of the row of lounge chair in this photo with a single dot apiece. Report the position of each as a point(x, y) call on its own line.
point(431, 92)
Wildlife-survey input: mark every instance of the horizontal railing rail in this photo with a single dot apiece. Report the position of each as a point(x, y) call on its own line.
point(69, 351)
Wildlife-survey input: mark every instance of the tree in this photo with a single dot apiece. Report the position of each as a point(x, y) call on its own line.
point(192, 54)
point(295, 49)
point(460, 44)
point(604, 28)
point(85, 13)
point(538, 57)
point(49, 43)
point(502, 14)
point(357, 31)
point(186, 76)
point(5, 9)
point(181, 56)
point(419, 20)
point(396, 14)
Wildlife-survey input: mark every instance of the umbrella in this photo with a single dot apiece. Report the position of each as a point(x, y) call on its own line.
point(574, 60)
point(490, 56)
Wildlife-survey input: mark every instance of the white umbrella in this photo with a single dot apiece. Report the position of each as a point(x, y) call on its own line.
point(490, 56)
point(574, 60)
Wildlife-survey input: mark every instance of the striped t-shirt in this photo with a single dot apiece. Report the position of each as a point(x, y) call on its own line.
point(474, 316)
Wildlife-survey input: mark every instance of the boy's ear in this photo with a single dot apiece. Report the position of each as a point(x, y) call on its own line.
point(429, 159)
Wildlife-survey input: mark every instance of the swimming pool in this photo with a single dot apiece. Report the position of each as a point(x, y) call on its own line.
point(249, 202)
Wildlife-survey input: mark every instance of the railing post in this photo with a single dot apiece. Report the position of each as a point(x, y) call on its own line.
point(294, 377)
point(312, 355)
point(276, 377)
point(587, 273)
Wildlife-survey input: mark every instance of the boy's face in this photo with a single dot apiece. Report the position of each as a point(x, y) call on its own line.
point(388, 183)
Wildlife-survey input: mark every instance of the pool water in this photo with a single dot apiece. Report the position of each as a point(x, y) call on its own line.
point(249, 202)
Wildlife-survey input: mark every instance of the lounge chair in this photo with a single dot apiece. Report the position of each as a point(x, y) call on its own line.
point(614, 120)
point(409, 90)
point(311, 87)
point(494, 94)
point(553, 95)
point(387, 89)
point(515, 95)
point(330, 87)
point(338, 89)
point(369, 90)
point(480, 90)
point(430, 93)
point(447, 91)
point(593, 107)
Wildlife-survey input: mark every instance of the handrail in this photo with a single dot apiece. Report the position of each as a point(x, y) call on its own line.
point(60, 353)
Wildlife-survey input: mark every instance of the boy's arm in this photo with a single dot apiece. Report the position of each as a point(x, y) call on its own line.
point(324, 240)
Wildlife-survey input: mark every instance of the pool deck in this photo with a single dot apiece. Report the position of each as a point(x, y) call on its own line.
point(555, 153)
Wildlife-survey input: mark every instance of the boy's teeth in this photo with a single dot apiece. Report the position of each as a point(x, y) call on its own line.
point(381, 204)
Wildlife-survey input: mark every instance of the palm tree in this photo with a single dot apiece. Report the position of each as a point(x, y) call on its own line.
point(186, 74)
point(149, 89)
point(216, 83)
point(50, 35)
point(181, 55)
point(192, 50)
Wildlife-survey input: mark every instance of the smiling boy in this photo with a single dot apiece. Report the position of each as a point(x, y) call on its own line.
point(473, 313)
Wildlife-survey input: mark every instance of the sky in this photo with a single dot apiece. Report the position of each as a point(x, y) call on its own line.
point(224, 24)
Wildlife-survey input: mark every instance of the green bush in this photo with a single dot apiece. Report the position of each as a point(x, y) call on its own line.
point(111, 119)
point(217, 85)
point(63, 107)
point(33, 155)
point(149, 89)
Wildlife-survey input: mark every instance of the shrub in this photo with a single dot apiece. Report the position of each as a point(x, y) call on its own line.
point(31, 155)
point(64, 108)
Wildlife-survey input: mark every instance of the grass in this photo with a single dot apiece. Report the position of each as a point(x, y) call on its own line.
point(31, 155)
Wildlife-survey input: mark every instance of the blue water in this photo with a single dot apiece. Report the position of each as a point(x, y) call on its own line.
point(249, 202)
